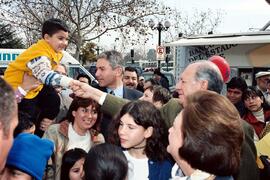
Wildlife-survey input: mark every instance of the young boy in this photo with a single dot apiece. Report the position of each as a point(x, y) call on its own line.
point(40, 60)
point(27, 158)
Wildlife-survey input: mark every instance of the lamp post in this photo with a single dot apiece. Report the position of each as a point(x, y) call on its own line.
point(160, 27)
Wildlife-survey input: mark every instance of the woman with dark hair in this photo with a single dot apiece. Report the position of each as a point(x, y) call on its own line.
point(105, 161)
point(79, 130)
point(207, 140)
point(142, 133)
point(258, 114)
point(72, 164)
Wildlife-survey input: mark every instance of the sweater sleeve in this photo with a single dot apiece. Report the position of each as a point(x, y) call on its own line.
point(41, 68)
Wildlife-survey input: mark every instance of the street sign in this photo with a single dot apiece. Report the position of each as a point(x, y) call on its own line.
point(160, 52)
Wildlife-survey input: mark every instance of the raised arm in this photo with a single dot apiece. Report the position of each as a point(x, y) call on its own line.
point(42, 70)
point(109, 104)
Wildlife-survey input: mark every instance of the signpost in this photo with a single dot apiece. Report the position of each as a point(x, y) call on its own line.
point(160, 53)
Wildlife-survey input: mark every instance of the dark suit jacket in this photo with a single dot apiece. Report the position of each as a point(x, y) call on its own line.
point(248, 167)
point(130, 94)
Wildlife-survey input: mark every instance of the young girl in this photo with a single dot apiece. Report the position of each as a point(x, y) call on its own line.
point(105, 161)
point(72, 164)
point(142, 133)
point(258, 114)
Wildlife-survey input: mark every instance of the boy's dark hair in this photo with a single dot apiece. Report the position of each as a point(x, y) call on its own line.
point(25, 122)
point(52, 26)
point(237, 83)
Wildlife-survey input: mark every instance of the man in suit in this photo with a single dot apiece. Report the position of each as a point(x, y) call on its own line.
point(202, 75)
point(109, 74)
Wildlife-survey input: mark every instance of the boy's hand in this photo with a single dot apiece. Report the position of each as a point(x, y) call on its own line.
point(29, 82)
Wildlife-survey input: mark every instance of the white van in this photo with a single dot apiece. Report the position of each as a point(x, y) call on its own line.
point(247, 53)
point(74, 68)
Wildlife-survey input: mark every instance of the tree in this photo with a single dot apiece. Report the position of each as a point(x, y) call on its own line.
point(197, 23)
point(88, 53)
point(8, 38)
point(88, 19)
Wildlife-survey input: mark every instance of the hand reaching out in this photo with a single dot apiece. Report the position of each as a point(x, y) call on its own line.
point(81, 89)
point(84, 90)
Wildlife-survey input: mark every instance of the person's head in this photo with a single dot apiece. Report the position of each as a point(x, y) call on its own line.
point(254, 99)
point(28, 157)
point(130, 78)
point(141, 80)
point(61, 69)
point(8, 119)
point(262, 79)
point(235, 88)
point(156, 95)
point(109, 68)
point(105, 161)
point(150, 82)
point(157, 74)
point(140, 126)
point(25, 124)
point(55, 33)
point(201, 75)
point(84, 114)
point(72, 164)
point(84, 78)
point(206, 138)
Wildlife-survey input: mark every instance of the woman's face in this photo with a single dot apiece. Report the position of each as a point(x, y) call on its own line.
point(85, 118)
point(76, 172)
point(131, 134)
point(253, 103)
point(175, 136)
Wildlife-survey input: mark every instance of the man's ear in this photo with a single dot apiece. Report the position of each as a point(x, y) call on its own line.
point(204, 84)
point(119, 71)
point(148, 132)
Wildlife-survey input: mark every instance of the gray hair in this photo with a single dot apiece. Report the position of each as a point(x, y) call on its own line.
point(115, 58)
point(7, 105)
point(205, 71)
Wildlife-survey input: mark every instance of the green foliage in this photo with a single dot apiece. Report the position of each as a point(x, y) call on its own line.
point(8, 38)
point(88, 53)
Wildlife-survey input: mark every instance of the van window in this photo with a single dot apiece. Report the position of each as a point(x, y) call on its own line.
point(75, 71)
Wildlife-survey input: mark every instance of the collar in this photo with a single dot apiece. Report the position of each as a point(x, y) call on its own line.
point(119, 92)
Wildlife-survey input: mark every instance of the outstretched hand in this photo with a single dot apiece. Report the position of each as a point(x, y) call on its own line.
point(80, 89)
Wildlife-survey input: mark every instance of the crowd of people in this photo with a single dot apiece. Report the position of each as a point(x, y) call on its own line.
point(128, 127)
